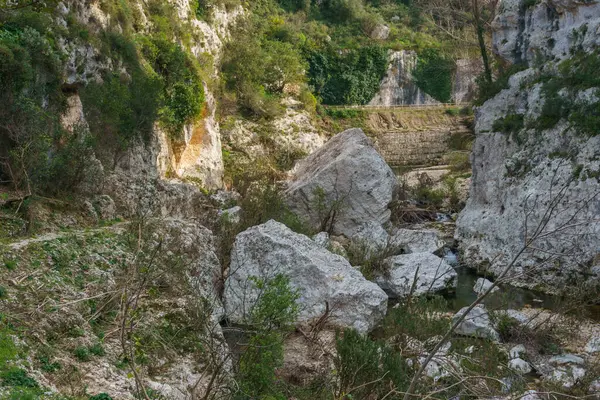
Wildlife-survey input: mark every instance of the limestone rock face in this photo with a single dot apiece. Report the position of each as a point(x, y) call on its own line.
point(398, 87)
point(434, 275)
point(550, 28)
point(344, 185)
point(476, 324)
point(519, 176)
point(267, 250)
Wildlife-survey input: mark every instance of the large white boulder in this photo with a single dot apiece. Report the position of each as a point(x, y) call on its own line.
point(476, 324)
point(593, 345)
point(416, 241)
point(433, 274)
point(321, 277)
point(342, 185)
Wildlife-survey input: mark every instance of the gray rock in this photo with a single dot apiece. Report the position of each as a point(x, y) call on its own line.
point(416, 241)
point(398, 86)
point(373, 236)
point(565, 359)
point(342, 185)
point(482, 285)
point(519, 365)
point(567, 376)
point(530, 395)
point(593, 345)
point(320, 276)
point(476, 324)
point(380, 32)
point(105, 207)
point(594, 386)
point(434, 274)
point(516, 351)
point(322, 239)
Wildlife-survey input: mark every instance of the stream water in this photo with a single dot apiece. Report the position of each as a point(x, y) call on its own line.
point(508, 297)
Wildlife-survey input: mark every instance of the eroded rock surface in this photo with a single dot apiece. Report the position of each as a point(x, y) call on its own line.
point(321, 277)
point(343, 185)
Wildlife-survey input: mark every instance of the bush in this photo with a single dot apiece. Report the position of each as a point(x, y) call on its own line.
point(18, 377)
point(512, 123)
point(419, 318)
point(486, 90)
point(433, 74)
point(271, 317)
point(352, 77)
point(101, 396)
point(367, 369)
point(82, 353)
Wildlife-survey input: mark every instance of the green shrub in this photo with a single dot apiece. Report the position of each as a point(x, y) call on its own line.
point(270, 317)
point(512, 123)
point(352, 77)
point(419, 318)
point(97, 350)
point(82, 353)
point(17, 377)
point(486, 90)
point(101, 396)
point(433, 74)
point(367, 369)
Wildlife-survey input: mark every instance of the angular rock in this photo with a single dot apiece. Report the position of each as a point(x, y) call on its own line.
point(567, 376)
point(476, 324)
point(372, 238)
point(482, 285)
point(593, 345)
point(380, 32)
point(433, 275)
point(416, 241)
point(321, 277)
point(342, 185)
point(516, 351)
point(519, 365)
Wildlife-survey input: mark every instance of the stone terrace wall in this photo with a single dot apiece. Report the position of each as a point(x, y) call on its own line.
point(413, 136)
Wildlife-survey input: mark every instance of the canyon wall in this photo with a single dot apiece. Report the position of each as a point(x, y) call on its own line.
point(534, 196)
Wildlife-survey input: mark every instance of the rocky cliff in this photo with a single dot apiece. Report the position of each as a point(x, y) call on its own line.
point(535, 160)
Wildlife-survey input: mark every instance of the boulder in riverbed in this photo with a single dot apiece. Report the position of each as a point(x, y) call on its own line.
point(433, 274)
point(342, 185)
point(321, 277)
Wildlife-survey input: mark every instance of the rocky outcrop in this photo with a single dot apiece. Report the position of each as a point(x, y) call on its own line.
point(532, 180)
point(548, 29)
point(198, 155)
point(326, 282)
point(432, 275)
point(343, 185)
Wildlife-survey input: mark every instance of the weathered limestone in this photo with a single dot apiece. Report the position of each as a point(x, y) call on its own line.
point(433, 274)
point(416, 241)
point(321, 277)
point(344, 184)
point(515, 182)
